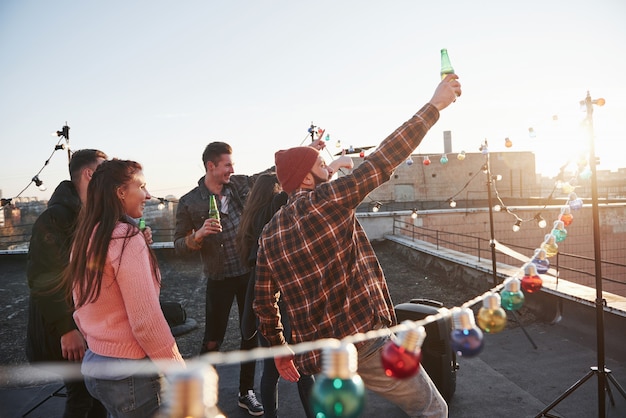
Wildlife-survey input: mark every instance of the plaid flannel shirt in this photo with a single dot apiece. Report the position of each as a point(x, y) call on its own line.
point(316, 255)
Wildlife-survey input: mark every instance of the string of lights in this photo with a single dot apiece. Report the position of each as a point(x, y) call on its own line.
point(451, 200)
point(64, 135)
point(466, 336)
point(566, 187)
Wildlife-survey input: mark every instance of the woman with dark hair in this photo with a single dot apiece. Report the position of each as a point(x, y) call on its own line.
point(114, 279)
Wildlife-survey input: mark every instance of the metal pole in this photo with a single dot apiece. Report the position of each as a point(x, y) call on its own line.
point(598, 259)
point(492, 242)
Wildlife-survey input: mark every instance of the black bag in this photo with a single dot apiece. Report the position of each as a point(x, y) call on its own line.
point(438, 358)
point(174, 313)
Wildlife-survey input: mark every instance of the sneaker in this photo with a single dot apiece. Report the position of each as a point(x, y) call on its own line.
point(250, 402)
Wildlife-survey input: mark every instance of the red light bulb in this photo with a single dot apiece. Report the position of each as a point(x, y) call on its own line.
point(361, 154)
point(508, 143)
point(426, 160)
point(531, 282)
point(401, 356)
point(566, 216)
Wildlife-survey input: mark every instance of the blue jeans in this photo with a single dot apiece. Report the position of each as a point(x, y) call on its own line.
point(132, 397)
point(417, 395)
point(79, 402)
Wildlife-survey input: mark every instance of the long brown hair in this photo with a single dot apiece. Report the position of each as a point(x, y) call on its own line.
point(96, 222)
point(263, 191)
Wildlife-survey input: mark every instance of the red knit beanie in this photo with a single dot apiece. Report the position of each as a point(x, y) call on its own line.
point(293, 164)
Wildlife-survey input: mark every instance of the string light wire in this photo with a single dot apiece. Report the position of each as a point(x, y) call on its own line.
point(56, 148)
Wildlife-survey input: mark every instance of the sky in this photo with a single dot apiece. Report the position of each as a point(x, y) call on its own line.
point(156, 81)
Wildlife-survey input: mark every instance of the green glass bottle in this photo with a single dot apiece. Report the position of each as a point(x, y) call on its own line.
point(214, 212)
point(446, 66)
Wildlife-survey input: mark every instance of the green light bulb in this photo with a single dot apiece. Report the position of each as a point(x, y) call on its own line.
point(512, 295)
point(338, 391)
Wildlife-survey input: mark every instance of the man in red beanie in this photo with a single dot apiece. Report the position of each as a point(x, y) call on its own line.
point(316, 255)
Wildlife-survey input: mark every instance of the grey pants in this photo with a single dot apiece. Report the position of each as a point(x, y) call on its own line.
point(417, 395)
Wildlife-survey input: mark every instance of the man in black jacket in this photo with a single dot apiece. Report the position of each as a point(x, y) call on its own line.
point(227, 275)
point(52, 334)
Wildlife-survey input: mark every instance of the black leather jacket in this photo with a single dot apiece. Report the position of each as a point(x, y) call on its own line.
point(219, 256)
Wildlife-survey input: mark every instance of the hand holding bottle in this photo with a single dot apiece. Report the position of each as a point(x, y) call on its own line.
point(447, 91)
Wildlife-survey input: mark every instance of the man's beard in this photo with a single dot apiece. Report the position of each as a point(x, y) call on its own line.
point(318, 179)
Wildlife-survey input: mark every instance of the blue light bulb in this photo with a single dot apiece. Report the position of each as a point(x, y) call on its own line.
point(541, 261)
point(466, 337)
point(575, 203)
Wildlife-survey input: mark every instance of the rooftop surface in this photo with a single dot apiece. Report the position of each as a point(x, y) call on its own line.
point(519, 372)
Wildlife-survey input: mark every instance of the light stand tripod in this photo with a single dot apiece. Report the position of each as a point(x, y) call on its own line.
point(604, 374)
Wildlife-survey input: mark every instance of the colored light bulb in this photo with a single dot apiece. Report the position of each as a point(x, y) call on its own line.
point(362, 154)
point(452, 203)
point(541, 261)
point(192, 393)
point(567, 188)
point(566, 216)
point(401, 356)
point(338, 144)
point(461, 156)
point(491, 317)
point(508, 143)
point(409, 161)
point(585, 174)
point(549, 245)
point(444, 159)
point(512, 297)
point(338, 391)
point(466, 337)
point(350, 149)
point(559, 231)
point(531, 282)
point(141, 224)
point(426, 160)
point(575, 203)
point(532, 133)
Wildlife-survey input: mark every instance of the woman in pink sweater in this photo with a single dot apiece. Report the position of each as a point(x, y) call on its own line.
point(115, 282)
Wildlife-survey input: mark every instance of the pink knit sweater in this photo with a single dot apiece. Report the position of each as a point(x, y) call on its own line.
point(126, 321)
